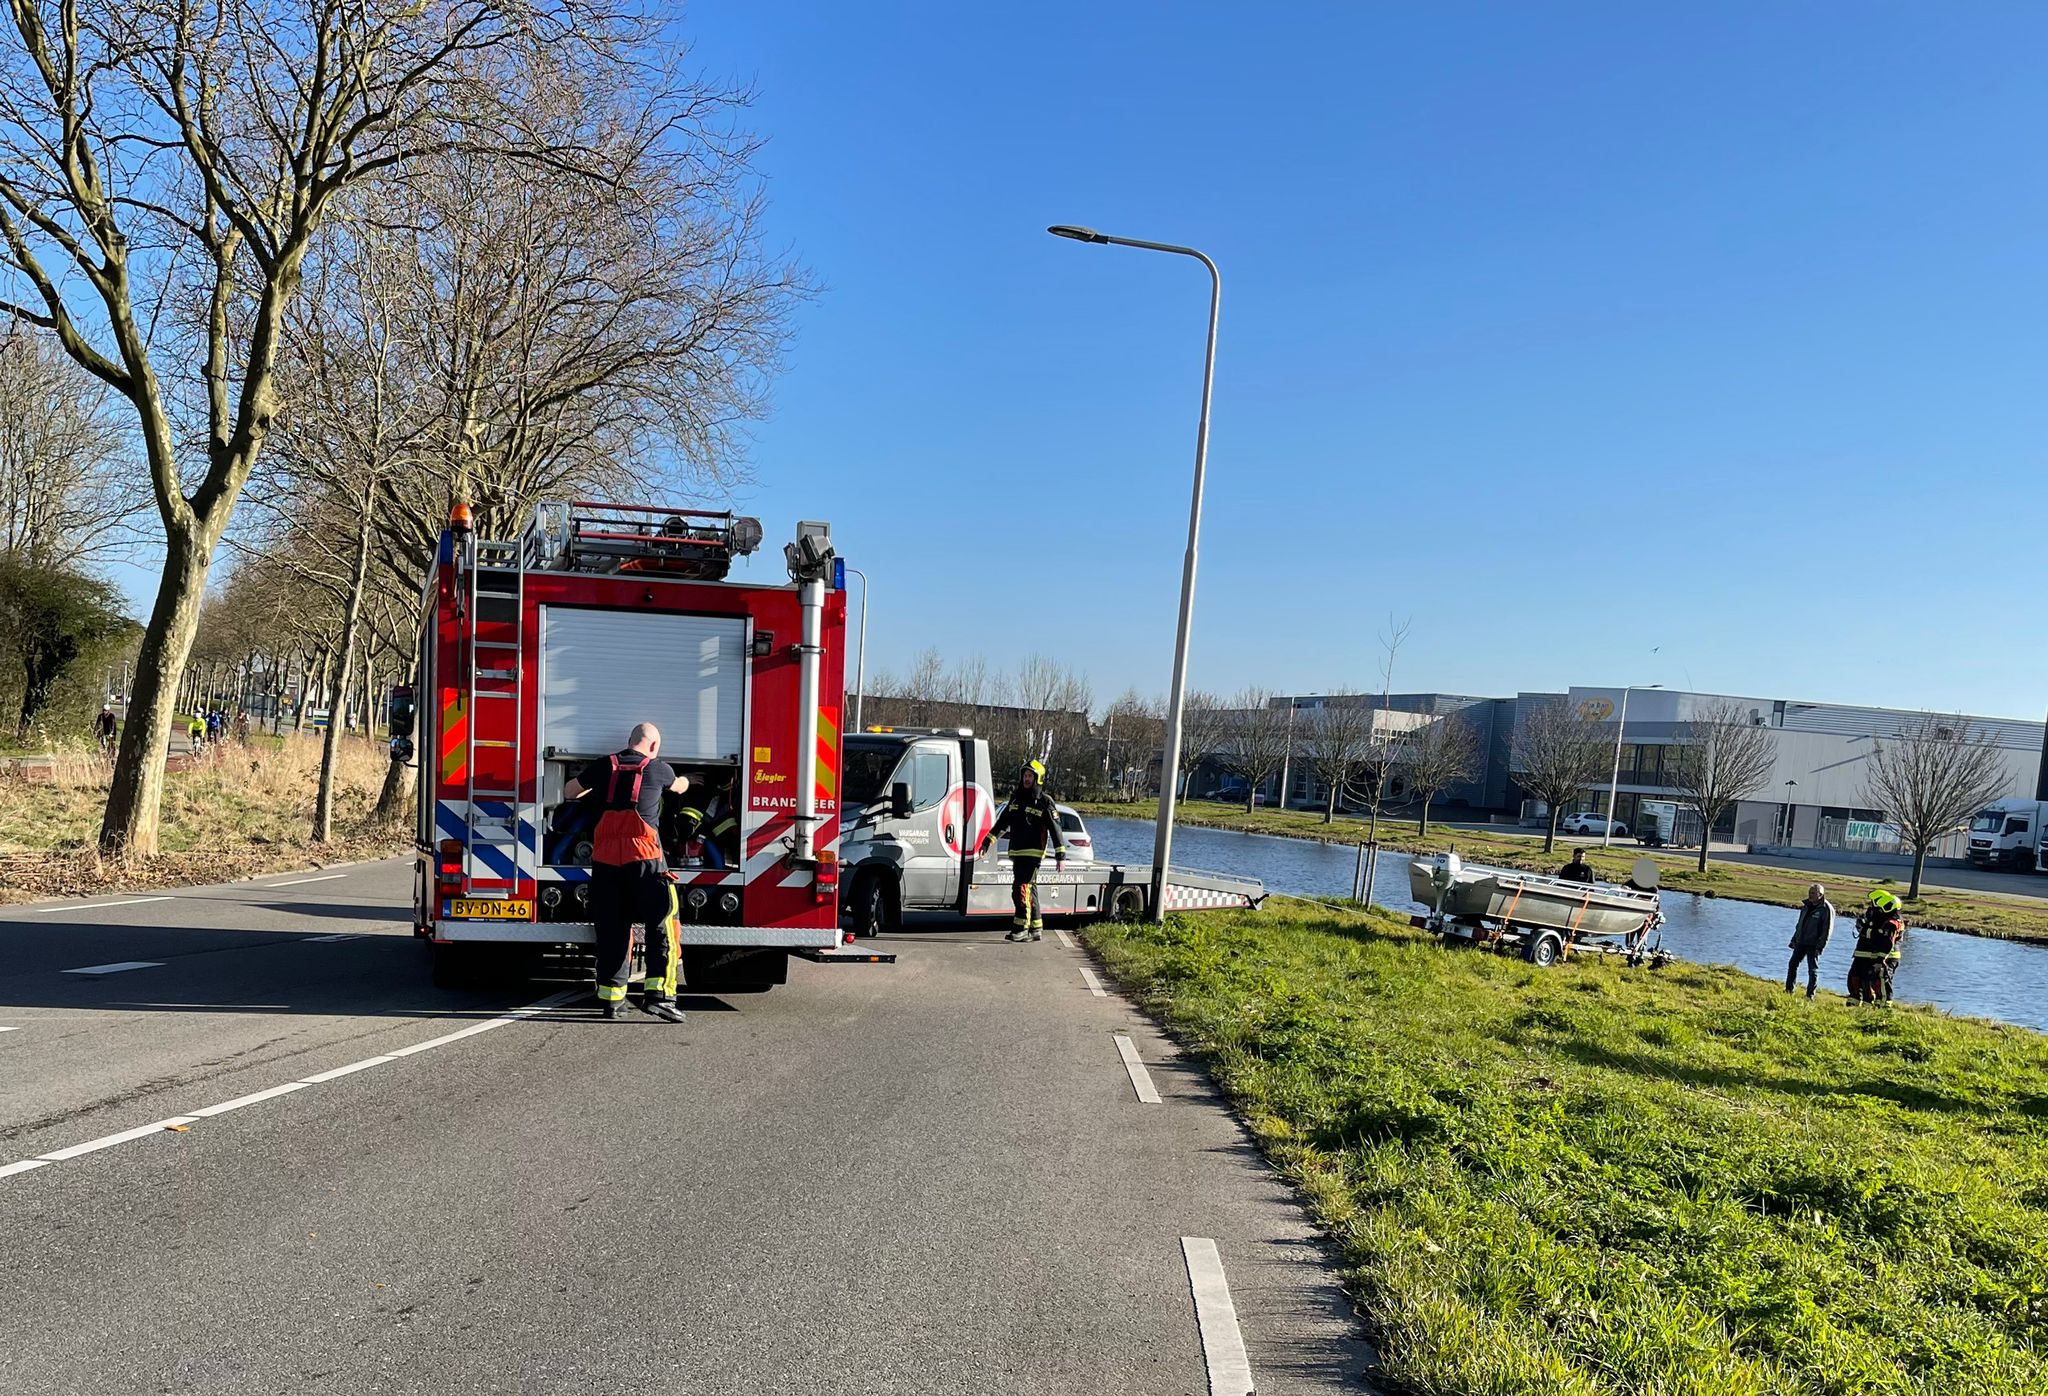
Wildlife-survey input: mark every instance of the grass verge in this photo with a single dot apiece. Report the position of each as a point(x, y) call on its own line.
point(1589, 1180)
point(1998, 917)
point(245, 812)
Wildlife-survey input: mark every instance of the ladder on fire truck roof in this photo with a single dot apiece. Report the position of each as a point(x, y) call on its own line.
point(496, 770)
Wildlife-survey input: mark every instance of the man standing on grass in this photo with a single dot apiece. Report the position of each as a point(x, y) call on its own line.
point(1810, 937)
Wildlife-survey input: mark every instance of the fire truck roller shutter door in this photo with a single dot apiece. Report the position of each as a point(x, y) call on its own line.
point(688, 677)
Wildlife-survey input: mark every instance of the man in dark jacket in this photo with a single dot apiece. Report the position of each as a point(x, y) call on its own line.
point(1031, 822)
point(1578, 869)
point(1810, 937)
point(629, 881)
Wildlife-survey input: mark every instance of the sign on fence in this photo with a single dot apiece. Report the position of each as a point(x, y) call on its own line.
point(1870, 831)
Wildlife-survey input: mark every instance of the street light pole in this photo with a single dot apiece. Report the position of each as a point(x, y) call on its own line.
point(1162, 837)
point(860, 675)
point(1614, 781)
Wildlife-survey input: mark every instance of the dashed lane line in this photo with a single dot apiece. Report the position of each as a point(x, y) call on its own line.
point(1065, 939)
point(1230, 1369)
point(331, 940)
point(302, 881)
point(181, 1122)
point(1094, 984)
point(1141, 1079)
point(118, 967)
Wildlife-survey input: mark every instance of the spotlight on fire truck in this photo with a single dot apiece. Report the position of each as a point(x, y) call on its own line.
point(810, 556)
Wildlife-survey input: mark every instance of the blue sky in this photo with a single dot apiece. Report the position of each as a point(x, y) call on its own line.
point(1568, 331)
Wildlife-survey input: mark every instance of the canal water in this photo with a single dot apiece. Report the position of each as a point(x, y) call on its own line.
point(1957, 973)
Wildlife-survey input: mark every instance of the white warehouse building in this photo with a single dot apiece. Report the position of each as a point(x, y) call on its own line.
point(1817, 793)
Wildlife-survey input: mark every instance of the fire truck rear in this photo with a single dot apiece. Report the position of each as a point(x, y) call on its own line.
point(540, 653)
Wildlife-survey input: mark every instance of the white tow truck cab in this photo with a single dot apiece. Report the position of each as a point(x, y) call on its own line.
point(2007, 834)
point(916, 803)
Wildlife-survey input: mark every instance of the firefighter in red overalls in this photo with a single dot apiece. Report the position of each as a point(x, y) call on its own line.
point(629, 881)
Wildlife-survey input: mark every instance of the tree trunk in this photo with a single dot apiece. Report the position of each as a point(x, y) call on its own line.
point(1706, 837)
point(337, 715)
point(1330, 807)
point(130, 824)
point(1422, 824)
point(397, 788)
point(1550, 837)
point(1919, 867)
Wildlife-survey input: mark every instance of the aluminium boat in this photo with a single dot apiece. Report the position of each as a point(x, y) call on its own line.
point(1455, 890)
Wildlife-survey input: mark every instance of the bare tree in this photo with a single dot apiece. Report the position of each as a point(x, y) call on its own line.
point(1132, 732)
point(1256, 740)
point(1442, 753)
point(1724, 755)
point(67, 493)
point(165, 169)
point(1336, 740)
point(1557, 753)
point(1204, 728)
point(1932, 776)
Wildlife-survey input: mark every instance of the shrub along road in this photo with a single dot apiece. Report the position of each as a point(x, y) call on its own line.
point(1589, 1180)
point(931, 1177)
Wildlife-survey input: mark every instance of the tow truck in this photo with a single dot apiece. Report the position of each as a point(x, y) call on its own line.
point(918, 802)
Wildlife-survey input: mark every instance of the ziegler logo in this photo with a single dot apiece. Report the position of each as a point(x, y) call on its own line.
point(768, 778)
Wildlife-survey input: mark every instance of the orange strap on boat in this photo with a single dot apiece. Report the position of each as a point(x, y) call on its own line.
point(1580, 915)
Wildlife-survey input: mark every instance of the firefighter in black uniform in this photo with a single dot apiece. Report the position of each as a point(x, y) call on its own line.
point(1031, 823)
point(629, 881)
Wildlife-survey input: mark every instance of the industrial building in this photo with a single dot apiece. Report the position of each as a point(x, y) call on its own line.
point(1815, 796)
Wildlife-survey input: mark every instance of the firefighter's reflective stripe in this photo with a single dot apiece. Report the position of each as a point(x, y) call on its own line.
point(611, 993)
point(665, 987)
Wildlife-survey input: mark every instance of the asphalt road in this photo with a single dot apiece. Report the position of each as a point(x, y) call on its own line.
point(931, 1177)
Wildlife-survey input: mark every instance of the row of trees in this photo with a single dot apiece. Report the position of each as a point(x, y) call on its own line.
point(1929, 777)
point(355, 263)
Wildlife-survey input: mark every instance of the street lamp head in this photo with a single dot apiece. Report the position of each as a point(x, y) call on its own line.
point(1078, 234)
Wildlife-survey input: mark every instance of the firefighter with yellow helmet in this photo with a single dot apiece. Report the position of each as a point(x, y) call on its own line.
point(1032, 823)
point(1880, 928)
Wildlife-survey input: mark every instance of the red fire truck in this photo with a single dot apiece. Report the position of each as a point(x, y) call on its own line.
point(540, 653)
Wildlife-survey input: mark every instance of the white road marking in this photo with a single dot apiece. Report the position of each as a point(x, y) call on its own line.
point(302, 881)
point(1094, 984)
point(1065, 939)
point(256, 1097)
point(118, 967)
point(471, 1031)
point(250, 1099)
point(1230, 1370)
point(351, 1069)
point(91, 906)
point(10, 1028)
point(93, 1146)
point(1141, 1079)
point(329, 940)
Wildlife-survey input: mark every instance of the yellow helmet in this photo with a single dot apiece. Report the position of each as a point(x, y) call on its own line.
point(1037, 768)
point(1883, 900)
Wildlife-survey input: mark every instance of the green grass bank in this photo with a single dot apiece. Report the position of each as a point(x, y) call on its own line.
point(1998, 917)
point(1584, 1180)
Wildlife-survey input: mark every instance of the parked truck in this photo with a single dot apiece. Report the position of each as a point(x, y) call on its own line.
point(918, 801)
point(541, 652)
point(2007, 834)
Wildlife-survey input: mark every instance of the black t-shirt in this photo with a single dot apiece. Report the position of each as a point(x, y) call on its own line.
point(656, 776)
